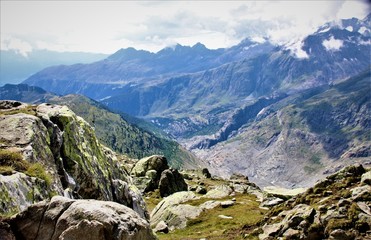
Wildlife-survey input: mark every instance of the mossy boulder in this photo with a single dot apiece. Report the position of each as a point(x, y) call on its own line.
point(18, 191)
point(155, 162)
point(147, 171)
point(60, 144)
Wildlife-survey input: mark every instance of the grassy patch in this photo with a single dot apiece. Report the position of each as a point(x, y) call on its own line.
point(209, 225)
point(152, 199)
point(31, 110)
point(13, 161)
point(37, 170)
point(6, 170)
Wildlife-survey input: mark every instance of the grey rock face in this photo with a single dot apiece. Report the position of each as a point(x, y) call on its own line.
point(63, 218)
point(66, 146)
point(173, 212)
point(161, 227)
point(18, 191)
point(147, 172)
point(171, 181)
point(219, 191)
point(314, 214)
point(366, 178)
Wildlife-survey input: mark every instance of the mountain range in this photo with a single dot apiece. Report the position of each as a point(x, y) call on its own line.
point(238, 106)
point(16, 67)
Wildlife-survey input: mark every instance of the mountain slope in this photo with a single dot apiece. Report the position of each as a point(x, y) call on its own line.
point(129, 67)
point(238, 115)
point(15, 68)
point(111, 128)
point(292, 143)
point(234, 84)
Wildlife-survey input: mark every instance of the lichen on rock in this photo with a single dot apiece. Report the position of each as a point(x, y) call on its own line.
point(66, 146)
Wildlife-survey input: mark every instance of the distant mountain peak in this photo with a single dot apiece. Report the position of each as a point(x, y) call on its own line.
point(128, 54)
point(331, 36)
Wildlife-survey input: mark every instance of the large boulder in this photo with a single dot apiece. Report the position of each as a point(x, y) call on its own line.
point(171, 181)
point(220, 191)
point(147, 172)
point(155, 162)
point(25, 134)
point(67, 219)
point(173, 212)
point(66, 147)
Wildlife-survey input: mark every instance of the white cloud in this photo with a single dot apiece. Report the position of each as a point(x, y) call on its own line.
point(15, 44)
point(332, 44)
point(106, 26)
point(351, 9)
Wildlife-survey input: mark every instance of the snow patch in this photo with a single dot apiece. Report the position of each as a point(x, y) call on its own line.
point(349, 28)
point(362, 30)
point(248, 47)
point(325, 30)
point(362, 42)
point(332, 44)
point(105, 98)
point(297, 49)
point(258, 39)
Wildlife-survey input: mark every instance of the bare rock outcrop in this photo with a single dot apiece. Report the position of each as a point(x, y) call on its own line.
point(335, 208)
point(171, 181)
point(66, 150)
point(64, 219)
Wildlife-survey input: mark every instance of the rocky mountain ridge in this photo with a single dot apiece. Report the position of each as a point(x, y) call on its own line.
point(16, 66)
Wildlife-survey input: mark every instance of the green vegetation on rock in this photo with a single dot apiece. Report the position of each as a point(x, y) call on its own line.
point(37, 170)
point(13, 161)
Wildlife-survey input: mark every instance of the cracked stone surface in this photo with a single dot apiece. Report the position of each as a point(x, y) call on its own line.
point(64, 218)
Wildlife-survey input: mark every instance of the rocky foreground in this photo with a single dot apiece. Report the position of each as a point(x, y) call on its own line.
point(335, 208)
point(47, 150)
point(58, 182)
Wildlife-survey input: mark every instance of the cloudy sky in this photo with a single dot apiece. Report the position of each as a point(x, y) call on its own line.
point(106, 26)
